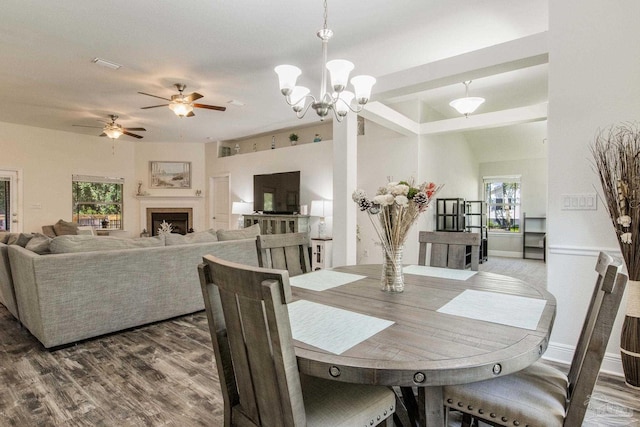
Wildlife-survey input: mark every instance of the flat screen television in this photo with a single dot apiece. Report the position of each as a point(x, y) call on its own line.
point(277, 193)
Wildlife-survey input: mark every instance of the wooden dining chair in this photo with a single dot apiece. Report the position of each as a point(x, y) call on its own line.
point(541, 395)
point(257, 369)
point(450, 249)
point(288, 251)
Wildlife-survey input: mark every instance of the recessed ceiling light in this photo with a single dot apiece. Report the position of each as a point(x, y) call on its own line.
point(105, 63)
point(236, 103)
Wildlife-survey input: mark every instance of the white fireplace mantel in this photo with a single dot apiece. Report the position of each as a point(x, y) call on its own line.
point(196, 203)
point(169, 197)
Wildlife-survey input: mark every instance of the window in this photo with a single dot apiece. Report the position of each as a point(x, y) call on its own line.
point(502, 194)
point(97, 201)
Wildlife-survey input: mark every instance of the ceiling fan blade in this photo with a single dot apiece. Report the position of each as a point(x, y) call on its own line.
point(192, 97)
point(154, 106)
point(85, 126)
point(210, 107)
point(190, 114)
point(132, 134)
point(136, 129)
point(155, 96)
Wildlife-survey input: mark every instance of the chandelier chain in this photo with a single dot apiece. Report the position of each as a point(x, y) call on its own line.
point(325, 14)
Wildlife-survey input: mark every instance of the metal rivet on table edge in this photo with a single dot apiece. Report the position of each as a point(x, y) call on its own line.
point(334, 371)
point(497, 368)
point(419, 377)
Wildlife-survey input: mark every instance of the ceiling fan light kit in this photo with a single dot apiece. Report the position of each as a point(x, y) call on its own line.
point(339, 100)
point(182, 105)
point(468, 104)
point(113, 130)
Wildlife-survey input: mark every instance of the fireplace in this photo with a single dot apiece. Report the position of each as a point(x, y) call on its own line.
point(181, 219)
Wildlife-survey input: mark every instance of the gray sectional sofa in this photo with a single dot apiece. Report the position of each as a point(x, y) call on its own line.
point(90, 286)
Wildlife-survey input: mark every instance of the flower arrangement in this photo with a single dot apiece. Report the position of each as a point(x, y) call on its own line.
point(392, 211)
point(616, 152)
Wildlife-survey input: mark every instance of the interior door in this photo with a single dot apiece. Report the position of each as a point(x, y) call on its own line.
point(220, 202)
point(9, 215)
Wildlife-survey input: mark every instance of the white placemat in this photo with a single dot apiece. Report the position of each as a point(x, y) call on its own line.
point(511, 310)
point(330, 328)
point(444, 273)
point(321, 280)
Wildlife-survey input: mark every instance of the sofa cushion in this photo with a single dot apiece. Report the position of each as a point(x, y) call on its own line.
point(83, 243)
point(4, 236)
point(63, 228)
point(39, 244)
point(244, 233)
point(20, 239)
point(172, 239)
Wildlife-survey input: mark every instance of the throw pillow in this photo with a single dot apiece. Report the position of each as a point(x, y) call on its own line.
point(21, 239)
point(39, 244)
point(4, 236)
point(244, 233)
point(207, 236)
point(63, 228)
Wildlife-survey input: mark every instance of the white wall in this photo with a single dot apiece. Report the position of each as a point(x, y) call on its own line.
point(314, 161)
point(534, 199)
point(445, 159)
point(593, 82)
point(46, 160)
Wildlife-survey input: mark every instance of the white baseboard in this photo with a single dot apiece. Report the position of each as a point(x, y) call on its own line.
point(561, 353)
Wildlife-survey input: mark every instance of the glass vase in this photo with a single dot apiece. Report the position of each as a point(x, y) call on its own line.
point(392, 279)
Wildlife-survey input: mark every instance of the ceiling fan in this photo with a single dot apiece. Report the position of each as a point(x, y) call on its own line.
point(182, 105)
point(114, 130)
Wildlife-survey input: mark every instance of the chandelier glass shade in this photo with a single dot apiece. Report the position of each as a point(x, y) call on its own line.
point(468, 104)
point(337, 99)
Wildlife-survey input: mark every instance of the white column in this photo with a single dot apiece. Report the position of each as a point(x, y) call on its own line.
point(345, 176)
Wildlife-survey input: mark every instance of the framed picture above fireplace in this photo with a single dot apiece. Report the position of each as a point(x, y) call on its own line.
point(170, 174)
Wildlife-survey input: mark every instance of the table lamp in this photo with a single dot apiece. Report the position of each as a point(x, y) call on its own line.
point(241, 208)
point(322, 208)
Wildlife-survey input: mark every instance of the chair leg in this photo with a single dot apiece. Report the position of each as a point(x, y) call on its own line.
point(467, 420)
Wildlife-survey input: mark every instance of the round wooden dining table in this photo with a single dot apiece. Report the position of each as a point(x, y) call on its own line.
point(425, 347)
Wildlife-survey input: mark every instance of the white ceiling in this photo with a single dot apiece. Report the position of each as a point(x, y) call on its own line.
point(226, 50)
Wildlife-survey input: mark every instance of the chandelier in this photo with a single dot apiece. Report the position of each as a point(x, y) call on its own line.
point(468, 104)
point(339, 100)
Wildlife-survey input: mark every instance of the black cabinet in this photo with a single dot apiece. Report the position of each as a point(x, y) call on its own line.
point(534, 237)
point(450, 215)
point(476, 222)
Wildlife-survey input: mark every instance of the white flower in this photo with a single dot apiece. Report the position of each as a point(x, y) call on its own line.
point(358, 195)
point(624, 220)
point(402, 201)
point(625, 238)
point(399, 190)
point(383, 199)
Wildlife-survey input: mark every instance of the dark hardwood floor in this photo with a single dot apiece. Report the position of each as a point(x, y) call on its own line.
point(159, 375)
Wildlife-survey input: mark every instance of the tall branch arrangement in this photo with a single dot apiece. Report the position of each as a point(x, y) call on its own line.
point(616, 152)
point(395, 208)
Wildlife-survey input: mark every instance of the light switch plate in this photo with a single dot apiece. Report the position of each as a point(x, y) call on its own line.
point(578, 202)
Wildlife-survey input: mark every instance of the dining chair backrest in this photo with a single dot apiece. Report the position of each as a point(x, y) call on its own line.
point(596, 330)
point(287, 251)
point(450, 249)
point(251, 335)
point(540, 390)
